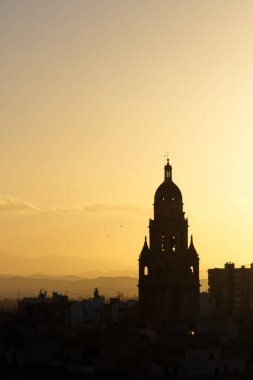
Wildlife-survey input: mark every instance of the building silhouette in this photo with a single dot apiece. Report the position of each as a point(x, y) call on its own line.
point(169, 268)
point(231, 289)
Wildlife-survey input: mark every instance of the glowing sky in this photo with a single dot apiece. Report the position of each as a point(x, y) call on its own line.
point(92, 94)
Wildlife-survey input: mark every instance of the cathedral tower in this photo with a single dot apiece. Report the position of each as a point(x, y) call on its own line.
point(169, 269)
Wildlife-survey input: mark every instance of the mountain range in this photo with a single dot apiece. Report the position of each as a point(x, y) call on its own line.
point(77, 276)
point(74, 286)
point(56, 265)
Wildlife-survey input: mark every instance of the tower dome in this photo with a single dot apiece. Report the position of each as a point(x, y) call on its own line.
point(168, 198)
point(168, 190)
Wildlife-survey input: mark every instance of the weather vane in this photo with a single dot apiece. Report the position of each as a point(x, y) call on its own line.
point(166, 157)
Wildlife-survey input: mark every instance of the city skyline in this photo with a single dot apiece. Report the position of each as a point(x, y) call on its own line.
point(94, 95)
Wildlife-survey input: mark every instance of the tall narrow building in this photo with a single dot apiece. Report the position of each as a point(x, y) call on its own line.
point(169, 268)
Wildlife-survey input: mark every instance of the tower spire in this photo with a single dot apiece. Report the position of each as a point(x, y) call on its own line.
point(145, 248)
point(192, 248)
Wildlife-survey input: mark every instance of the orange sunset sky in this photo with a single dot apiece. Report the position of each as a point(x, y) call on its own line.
point(93, 93)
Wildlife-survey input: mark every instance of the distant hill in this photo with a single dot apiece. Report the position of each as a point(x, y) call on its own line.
point(74, 286)
point(58, 265)
point(11, 287)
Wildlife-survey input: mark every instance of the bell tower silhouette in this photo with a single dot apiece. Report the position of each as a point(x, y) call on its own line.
point(169, 269)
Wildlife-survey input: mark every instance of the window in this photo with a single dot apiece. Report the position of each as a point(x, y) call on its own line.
point(192, 269)
point(173, 243)
point(145, 271)
point(163, 241)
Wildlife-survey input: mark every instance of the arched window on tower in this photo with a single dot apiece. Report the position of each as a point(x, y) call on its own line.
point(146, 271)
point(163, 241)
point(192, 269)
point(173, 243)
